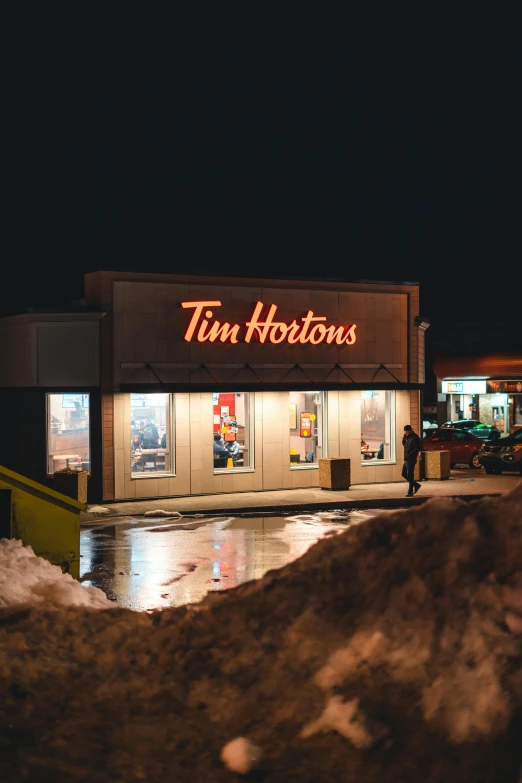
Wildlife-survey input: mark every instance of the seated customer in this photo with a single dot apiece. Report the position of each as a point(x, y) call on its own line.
point(220, 452)
point(150, 435)
point(137, 462)
point(234, 450)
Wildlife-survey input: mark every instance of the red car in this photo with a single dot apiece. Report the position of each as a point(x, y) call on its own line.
point(463, 446)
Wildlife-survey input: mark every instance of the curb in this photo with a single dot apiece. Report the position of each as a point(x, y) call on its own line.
point(384, 504)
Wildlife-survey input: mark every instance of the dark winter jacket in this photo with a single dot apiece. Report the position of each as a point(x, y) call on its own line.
point(150, 436)
point(412, 446)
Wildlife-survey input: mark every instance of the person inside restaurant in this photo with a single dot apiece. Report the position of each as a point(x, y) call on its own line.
point(221, 454)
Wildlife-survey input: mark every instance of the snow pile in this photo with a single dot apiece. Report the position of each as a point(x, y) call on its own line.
point(161, 513)
point(391, 652)
point(240, 755)
point(28, 580)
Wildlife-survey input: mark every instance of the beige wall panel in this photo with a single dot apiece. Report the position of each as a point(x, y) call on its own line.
point(272, 474)
point(119, 475)
point(119, 426)
point(242, 482)
point(130, 487)
point(196, 482)
point(305, 478)
point(147, 488)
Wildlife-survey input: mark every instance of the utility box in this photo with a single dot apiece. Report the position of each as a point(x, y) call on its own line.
point(436, 464)
point(72, 483)
point(334, 473)
point(41, 518)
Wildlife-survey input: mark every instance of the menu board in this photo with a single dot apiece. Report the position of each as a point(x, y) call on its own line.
point(305, 425)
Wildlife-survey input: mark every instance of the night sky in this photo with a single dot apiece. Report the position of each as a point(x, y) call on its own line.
point(293, 160)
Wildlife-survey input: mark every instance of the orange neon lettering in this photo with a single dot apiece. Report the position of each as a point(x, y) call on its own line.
point(202, 337)
point(311, 328)
point(319, 329)
point(351, 338)
point(293, 331)
point(198, 309)
point(254, 325)
point(307, 321)
point(224, 332)
point(336, 333)
point(273, 334)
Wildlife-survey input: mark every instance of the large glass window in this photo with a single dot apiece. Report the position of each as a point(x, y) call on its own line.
point(307, 427)
point(232, 437)
point(377, 426)
point(151, 434)
point(68, 433)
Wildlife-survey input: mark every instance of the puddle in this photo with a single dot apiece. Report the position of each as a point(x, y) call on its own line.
point(145, 564)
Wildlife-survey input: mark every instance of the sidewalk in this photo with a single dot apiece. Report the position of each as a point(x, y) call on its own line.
point(466, 484)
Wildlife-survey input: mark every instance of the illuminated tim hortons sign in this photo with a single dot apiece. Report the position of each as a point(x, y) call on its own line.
point(264, 328)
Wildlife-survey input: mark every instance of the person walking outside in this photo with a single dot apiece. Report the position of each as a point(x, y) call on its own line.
point(412, 450)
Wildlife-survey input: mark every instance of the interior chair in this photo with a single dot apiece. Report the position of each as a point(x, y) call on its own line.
point(309, 456)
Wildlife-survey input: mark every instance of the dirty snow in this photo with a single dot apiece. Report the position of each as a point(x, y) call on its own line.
point(389, 652)
point(28, 580)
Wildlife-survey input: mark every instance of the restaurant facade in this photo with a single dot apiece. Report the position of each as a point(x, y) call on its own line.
point(174, 385)
point(213, 385)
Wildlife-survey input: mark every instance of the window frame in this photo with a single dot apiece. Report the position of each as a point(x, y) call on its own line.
point(172, 430)
point(251, 442)
point(324, 444)
point(372, 463)
point(48, 422)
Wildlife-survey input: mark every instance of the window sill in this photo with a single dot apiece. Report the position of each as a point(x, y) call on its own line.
point(304, 466)
point(151, 474)
point(225, 471)
point(368, 463)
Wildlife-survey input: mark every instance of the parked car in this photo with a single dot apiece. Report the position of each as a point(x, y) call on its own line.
point(464, 447)
point(482, 431)
point(503, 454)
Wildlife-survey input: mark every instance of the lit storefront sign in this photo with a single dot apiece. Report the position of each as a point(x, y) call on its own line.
point(505, 386)
point(309, 329)
point(464, 387)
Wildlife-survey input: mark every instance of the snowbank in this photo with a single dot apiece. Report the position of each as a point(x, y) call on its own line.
point(28, 580)
point(391, 652)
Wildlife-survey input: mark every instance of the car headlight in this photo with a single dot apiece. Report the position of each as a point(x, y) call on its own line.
point(512, 449)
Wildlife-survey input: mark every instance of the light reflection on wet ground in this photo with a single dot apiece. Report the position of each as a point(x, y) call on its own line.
point(150, 563)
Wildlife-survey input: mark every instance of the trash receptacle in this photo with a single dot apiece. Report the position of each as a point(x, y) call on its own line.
point(334, 473)
point(436, 464)
point(72, 483)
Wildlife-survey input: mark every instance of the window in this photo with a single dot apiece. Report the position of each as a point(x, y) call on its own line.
point(307, 426)
point(442, 436)
point(232, 437)
point(151, 434)
point(377, 427)
point(68, 433)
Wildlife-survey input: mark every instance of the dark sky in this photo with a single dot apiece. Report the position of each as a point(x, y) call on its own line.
point(284, 159)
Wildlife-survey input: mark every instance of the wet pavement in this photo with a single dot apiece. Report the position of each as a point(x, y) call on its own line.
point(463, 482)
point(145, 564)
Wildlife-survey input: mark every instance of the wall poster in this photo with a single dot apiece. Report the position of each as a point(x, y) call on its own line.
point(305, 429)
point(293, 416)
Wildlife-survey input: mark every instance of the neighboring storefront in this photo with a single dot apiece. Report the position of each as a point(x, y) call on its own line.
point(214, 385)
point(495, 398)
